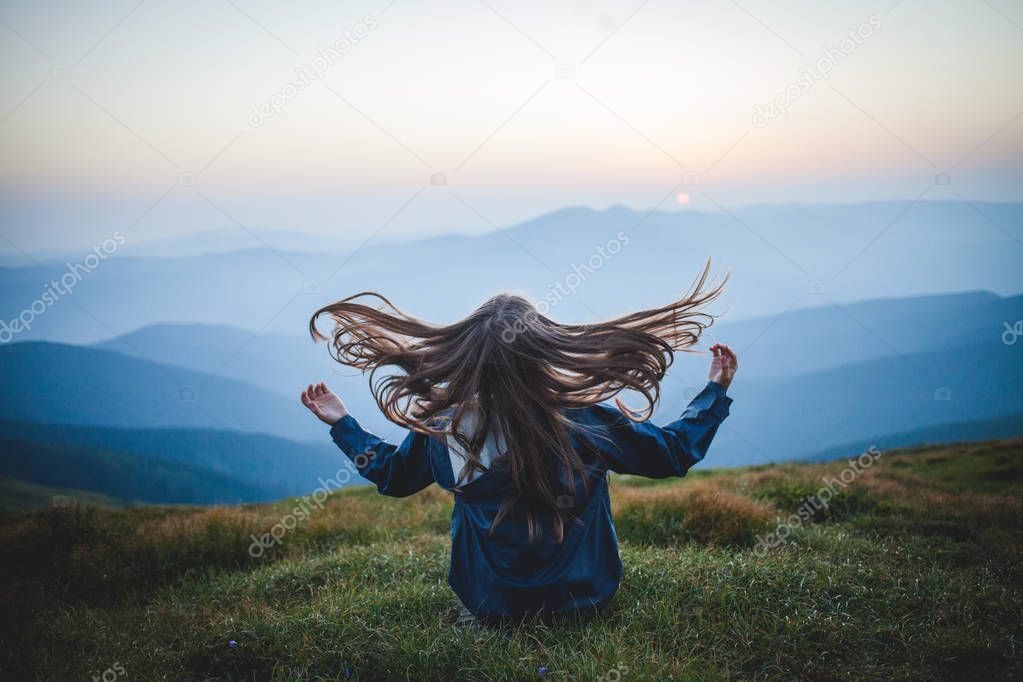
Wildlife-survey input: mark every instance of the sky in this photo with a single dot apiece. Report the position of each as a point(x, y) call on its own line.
point(404, 119)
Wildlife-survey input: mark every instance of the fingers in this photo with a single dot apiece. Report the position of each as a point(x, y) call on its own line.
point(311, 393)
point(729, 357)
point(724, 352)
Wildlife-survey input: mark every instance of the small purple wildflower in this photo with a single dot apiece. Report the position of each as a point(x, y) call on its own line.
point(232, 644)
point(542, 670)
point(346, 672)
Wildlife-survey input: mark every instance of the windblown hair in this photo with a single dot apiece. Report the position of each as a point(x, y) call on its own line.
point(516, 371)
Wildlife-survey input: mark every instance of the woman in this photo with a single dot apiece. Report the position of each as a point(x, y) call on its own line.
point(506, 411)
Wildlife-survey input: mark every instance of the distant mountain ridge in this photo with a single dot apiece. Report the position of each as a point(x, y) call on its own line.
point(781, 258)
point(811, 339)
point(795, 367)
point(798, 342)
point(47, 382)
point(168, 465)
point(810, 380)
point(957, 432)
point(800, 416)
point(121, 475)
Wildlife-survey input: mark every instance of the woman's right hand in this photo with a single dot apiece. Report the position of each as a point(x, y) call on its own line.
point(723, 365)
point(324, 403)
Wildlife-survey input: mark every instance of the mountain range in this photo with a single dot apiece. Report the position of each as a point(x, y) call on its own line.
point(179, 465)
point(174, 376)
point(812, 379)
point(782, 258)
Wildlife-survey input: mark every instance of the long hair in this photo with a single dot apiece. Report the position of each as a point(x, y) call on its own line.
point(516, 371)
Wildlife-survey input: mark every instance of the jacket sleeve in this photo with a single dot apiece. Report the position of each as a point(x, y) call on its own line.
point(397, 470)
point(659, 452)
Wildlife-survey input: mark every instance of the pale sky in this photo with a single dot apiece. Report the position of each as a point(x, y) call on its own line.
point(524, 106)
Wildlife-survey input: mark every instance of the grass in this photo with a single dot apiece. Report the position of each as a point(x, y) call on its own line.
point(912, 572)
point(18, 496)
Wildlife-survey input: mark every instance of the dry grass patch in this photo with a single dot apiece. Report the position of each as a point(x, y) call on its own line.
point(700, 512)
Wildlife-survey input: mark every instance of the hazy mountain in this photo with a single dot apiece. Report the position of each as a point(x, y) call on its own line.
point(168, 465)
point(202, 243)
point(850, 321)
point(277, 362)
point(957, 432)
point(799, 342)
point(803, 341)
point(782, 257)
point(799, 393)
point(57, 383)
point(233, 239)
point(802, 415)
point(124, 476)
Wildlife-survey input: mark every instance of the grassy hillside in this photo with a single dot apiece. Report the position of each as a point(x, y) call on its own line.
point(912, 571)
point(20, 496)
point(122, 475)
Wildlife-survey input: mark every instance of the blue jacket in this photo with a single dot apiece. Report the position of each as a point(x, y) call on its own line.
point(506, 574)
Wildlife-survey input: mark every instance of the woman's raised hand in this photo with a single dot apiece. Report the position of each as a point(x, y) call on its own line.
point(723, 365)
point(324, 403)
